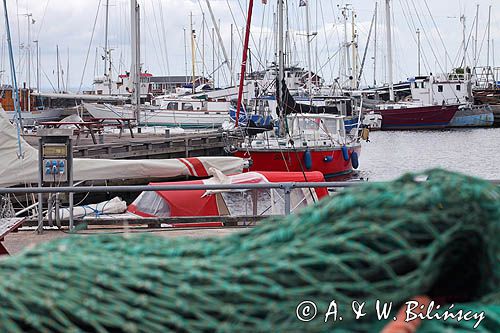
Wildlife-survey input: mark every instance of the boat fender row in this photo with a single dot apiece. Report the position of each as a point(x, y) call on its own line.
point(354, 157)
point(308, 159)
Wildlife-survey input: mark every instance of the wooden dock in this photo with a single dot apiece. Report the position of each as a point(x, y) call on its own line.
point(149, 146)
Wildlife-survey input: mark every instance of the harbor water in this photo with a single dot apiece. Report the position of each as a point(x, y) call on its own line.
point(471, 151)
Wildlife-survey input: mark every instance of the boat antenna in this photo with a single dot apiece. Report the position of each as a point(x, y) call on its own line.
point(18, 118)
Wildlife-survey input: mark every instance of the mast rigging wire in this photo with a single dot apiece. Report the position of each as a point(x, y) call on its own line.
point(90, 46)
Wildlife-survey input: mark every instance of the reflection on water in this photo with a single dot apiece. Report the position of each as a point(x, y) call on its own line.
point(471, 151)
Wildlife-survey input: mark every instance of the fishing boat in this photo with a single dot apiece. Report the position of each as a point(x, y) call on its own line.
point(404, 116)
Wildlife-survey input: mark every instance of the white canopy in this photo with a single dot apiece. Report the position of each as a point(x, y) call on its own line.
point(17, 171)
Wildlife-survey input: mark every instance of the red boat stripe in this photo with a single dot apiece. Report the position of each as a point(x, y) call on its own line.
point(198, 166)
point(188, 166)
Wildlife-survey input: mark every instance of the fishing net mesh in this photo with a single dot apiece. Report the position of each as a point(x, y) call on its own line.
point(387, 241)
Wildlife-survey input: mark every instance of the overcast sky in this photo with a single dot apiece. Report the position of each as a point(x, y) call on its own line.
point(69, 24)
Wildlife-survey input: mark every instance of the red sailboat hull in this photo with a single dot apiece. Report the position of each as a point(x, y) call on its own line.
point(426, 117)
point(290, 160)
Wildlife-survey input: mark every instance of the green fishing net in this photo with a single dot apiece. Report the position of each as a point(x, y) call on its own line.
point(378, 241)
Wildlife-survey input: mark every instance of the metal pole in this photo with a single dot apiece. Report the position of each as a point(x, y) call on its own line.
point(475, 38)
point(17, 108)
point(70, 182)
point(57, 60)
point(288, 209)
point(231, 52)
point(28, 48)
point(185, 58)
point(309, 63)
point(244, 62)
point(389, 48)
point(37, 66)
point(281, 65)
point(489, 38)
point(375, 48)
point(354, 72)
point(464, 61)
point(203, 46)
point(106, 42)
point(418, 45)
point(40, 195)
point(193, 52)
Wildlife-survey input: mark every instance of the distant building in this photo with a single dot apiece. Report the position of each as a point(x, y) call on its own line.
point(167, 84)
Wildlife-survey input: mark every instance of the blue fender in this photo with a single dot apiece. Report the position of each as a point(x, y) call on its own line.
point(355, 160)
point(345, 153)
point(308, 159)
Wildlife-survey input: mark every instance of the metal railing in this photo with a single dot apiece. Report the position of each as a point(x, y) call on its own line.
point(286, 187)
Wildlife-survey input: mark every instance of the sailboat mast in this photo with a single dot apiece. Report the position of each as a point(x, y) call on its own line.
point(309, 63)
point(107, 75)
point(354, 73)
point(389, 48)
point(489, 38)
point(57, 60)
point(375, 48)
point(475, 37)
point(193, 52)
point(464, 61)
point(244, 61)
point(135, 73)
point(281, 57)
point(418, 51)
point(15, 89)
point(28, 16)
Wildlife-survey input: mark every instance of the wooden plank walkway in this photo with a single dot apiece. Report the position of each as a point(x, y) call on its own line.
point(200, 144)
point(149, 146)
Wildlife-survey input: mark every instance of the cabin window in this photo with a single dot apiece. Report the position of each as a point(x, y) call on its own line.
point(459, 87)
point(440, 88)
point(422, 85)
point(172, 106)
point(416, 85)
point(187, 107)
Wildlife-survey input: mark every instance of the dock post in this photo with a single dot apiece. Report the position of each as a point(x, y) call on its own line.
point(288, 190)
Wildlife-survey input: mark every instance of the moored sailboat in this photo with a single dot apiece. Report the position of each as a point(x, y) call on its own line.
point(301, 141)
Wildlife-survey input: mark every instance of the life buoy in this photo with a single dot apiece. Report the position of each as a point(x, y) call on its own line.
point(355, 160)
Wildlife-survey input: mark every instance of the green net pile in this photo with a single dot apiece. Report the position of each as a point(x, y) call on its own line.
point(387, 241)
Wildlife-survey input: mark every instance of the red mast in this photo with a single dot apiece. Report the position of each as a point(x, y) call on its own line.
point(244, 61)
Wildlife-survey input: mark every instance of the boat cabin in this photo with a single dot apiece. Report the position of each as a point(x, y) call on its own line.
point(327, 128)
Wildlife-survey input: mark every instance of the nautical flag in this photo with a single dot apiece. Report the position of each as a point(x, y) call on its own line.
point(302, 3)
